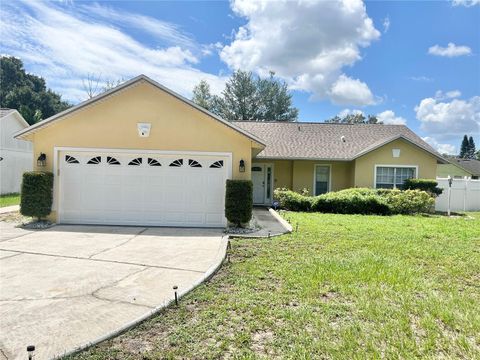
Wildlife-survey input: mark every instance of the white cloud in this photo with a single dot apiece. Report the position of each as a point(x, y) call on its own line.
point(466, 3)
point(440, 95)
point(441, 148)
point(346, 91)
point(346, 112)
point(66, 43)
point(386, 24)
point(451, 50)
point(446, 121)
point(308, 43)
point(421, 78)
point(388, 117)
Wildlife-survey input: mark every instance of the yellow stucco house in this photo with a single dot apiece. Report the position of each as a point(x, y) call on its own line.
point(141, 154)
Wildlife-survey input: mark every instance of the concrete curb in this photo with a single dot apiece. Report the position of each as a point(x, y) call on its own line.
point(220, 257)
point(281, 220)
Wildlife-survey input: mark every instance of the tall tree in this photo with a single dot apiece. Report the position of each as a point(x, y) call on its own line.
point(248, 97)
point(471, 148)
point(240, 97)
point(464, 147)
point(93, 85)
point(274, 99)
point(27, 93)
point(202, 95)
point(357, 118)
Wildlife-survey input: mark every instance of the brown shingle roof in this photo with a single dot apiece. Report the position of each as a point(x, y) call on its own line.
point(300, 140)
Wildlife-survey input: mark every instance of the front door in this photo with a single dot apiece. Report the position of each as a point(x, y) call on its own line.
point(258, 179)
point(262, 178)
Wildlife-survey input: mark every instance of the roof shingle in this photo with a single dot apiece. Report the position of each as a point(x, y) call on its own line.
point(300, 140)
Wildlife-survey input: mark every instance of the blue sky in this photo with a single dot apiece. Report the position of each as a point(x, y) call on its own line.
point(413, 63)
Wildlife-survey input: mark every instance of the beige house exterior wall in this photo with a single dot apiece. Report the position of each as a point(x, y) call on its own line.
point(299, 174)
point(410, 155)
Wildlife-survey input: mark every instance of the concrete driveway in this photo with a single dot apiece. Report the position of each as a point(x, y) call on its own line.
point(67, 286)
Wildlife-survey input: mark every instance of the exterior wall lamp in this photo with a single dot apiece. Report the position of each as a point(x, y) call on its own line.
point(42, 160)
point(241, 167)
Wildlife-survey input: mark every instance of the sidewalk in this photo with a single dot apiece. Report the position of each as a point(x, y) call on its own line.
point(7, 209)
point(271, 224)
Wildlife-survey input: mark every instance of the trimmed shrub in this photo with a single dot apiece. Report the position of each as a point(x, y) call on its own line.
point(239, 201)
point(37, 194)
point(351, 201)
point(408, 201)
point(291, 200)
point(428, 185)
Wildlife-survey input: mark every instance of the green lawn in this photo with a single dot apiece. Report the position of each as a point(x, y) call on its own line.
point(9, 200)
point(343, 287)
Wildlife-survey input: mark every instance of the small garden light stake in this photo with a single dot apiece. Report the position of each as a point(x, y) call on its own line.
point(450, 181)
point(31, 352)
point(176, 296)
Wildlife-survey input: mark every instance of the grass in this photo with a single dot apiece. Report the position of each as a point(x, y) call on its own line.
point(9, 199)
point(343, 287)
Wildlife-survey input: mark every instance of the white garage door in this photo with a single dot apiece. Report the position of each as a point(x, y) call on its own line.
point(142, 188)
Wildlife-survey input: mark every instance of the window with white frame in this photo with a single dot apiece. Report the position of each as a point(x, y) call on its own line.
point(389, 177)
point(322, 179)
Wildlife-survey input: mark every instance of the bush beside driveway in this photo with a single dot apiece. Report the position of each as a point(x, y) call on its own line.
point(344, 286)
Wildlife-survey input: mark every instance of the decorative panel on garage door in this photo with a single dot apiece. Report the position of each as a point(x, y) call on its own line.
point(142, 189)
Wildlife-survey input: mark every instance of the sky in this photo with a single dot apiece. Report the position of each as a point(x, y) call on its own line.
point(407, 62)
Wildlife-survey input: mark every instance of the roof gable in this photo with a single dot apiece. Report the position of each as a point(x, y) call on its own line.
point(326, 141)
point(122, 87)
point(6, 114)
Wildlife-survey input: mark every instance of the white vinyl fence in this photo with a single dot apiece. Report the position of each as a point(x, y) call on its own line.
point(465, 195)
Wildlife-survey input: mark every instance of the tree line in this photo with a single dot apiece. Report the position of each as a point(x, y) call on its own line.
point(27, 93)
point(467, 149)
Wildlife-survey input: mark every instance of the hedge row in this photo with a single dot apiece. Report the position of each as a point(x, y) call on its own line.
point(359, 201)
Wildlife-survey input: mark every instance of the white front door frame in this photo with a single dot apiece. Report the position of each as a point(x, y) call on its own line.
point(265, 166)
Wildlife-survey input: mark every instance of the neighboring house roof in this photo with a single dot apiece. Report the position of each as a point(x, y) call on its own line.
point(4, 112)
point(323, 141)
point(135, 80)
point(471, 166)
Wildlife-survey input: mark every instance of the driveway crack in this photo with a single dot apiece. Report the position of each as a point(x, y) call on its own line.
point(96, 296)
point(118, 245)
point(3, 353)
point(9, 256)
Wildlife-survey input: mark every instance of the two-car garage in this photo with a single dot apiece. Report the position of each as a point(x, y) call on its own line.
point(142, 155)
point(142, 188)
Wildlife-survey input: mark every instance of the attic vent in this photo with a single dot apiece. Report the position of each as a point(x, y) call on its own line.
point(343, 138)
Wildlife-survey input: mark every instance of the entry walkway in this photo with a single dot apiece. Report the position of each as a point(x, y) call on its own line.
point(270, 223)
